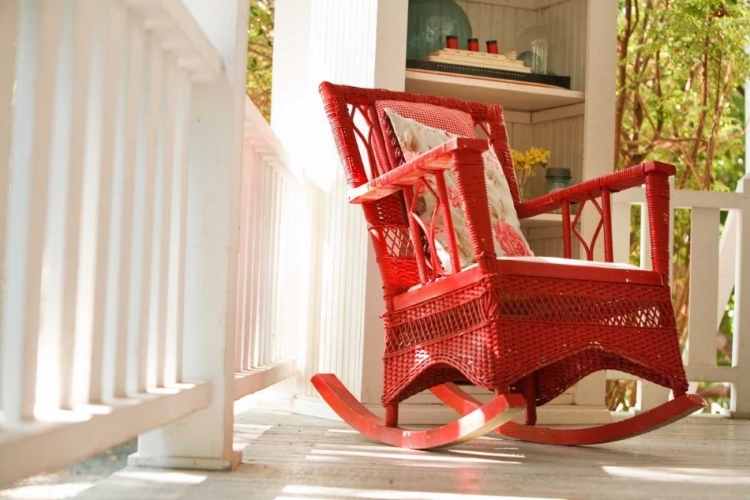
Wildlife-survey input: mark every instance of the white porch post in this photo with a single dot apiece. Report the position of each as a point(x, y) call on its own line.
point(360, 43)
point(740, 396)
point(204, 440)
point(598, 155)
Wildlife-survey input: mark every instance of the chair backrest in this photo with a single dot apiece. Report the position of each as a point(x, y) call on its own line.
point(357, 122)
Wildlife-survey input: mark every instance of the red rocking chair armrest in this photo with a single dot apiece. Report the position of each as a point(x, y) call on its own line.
point(654, 174)
point(408, 174)
point(618, 181)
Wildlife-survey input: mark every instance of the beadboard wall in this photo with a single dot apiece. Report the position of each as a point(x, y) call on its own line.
point(564, 138)
point(504, 21)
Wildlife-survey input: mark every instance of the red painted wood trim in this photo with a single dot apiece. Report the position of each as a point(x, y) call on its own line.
point(567, 240)
point(445, 205)
point(438, 158)
point(607, 218)
point(618, 181)
point(435, 289)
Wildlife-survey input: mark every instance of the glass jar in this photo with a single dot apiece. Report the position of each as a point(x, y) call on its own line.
point(539, 55)
point(557, 178)
point(535, 46)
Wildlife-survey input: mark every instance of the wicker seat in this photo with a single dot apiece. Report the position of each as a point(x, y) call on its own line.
point(526, 328)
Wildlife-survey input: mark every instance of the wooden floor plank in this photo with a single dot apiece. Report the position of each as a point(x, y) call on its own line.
point(297, 457)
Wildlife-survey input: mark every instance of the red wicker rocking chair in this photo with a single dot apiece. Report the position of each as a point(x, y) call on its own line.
point(525, 329)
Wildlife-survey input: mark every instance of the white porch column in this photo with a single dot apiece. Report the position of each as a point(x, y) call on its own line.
point(740, 396)
point(598, 155)
point(204, 440)
point(360, 43)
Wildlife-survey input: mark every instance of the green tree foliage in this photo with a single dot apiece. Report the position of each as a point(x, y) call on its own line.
point(682, 66)
point(681, 72)
point(260, 54)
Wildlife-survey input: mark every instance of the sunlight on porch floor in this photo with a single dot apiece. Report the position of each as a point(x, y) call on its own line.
point(295, 457)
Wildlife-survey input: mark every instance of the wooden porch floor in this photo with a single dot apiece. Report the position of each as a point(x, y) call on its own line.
point(295, 457)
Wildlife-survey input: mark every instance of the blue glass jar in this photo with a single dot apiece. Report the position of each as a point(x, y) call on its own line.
point(558, 178)
point(430, 21)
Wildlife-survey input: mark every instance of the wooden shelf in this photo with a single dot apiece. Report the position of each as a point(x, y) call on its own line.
point(513, 96)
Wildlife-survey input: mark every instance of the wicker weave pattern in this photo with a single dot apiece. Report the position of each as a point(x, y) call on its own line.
point(454, 121)
point(500, 329)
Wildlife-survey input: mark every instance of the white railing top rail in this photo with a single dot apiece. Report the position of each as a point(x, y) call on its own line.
point(684, 198)
point(180, 35)
point(259, 134)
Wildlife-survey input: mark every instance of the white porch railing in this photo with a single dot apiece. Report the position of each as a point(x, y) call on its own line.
point(716, 267)
point(272, 260)
point(95, 100)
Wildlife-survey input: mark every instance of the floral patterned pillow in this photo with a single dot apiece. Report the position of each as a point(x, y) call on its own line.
point(415, 138)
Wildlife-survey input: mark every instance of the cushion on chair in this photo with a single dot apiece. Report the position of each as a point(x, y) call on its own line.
point(416, 138)
point(450, 120)
point(575, 269)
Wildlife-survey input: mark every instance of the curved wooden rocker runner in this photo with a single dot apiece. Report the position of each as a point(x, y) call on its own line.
point(644, 422)
point(477, 422)
point(526, 328)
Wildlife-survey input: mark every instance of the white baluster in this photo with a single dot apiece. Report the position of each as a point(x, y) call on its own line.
point(620, 231)
point(38, 48)
point(85, 13)
point(259, 323)
point(127, 318)
point(286, 300)
point(261, 332)
point(727, 264)
point(107, 86)
point(243, 265)
point(177, 245)
point(273, 263)
point(166, 160)
point(645, 239)
point(10, 12)
point(254, 178)
point(54, 264)
point(704, 272)
point(148, 159)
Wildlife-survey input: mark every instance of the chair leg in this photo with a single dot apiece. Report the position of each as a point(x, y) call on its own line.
point(529, 394)
point(391, 415)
